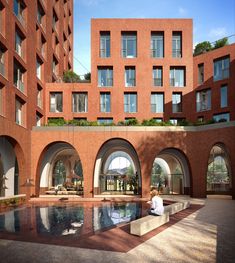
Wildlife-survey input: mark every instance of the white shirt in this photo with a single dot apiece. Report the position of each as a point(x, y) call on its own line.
point(157, 205)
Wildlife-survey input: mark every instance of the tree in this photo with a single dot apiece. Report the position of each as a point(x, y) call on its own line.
point(202, 47)
point(221, 42)
point(87, 76)
point(71, 77)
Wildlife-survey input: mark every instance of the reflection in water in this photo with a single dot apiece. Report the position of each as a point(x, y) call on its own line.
point(68, 220)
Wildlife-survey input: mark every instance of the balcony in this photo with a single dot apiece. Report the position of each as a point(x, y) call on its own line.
point(2, 69)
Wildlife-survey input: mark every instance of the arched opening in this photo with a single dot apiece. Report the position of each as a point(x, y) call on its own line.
point(219, 171)
point(61, 170)
point(117, 169)
point(9, 170)
point(170, 172)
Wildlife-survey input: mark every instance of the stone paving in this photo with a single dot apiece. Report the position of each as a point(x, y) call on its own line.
point(208, 235)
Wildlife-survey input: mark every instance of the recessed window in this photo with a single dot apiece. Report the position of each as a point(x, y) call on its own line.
point(105, 76)
point(38, 69)
point(38, 119)
point(129, 44)
point(2, 61)
point(200, 74)
point(19, 113)
point(177, 44)
point(130, 102)
point(221, 68)
point(157, 44)
point(222, 117)
point(157, 76)
point(105, 121)
point(176, 102)
point(130, 76)
point(19, 75)
point(177, 76)
point(80, 101)
point(105, 102)
point(19, 11)
point(157, 102)
point(224, 96)
point(104, 44)
point(203, 100)
point(19, 44)
point(39, 96)
point(56, 102)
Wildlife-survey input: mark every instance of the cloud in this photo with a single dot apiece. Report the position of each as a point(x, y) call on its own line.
point(218, 32)
point(182, 11)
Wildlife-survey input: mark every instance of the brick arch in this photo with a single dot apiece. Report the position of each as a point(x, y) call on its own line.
point(58, 147)
point(107, 148)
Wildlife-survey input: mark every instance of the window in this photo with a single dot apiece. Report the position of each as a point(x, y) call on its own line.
point(2, 20)
point(38, 119)
point(56, 102)
point(129, 76)
point(200, 73)
point(222, 117)
point(105, 76)
point(157, 44)
point(177, 76)
point(39, 97)
point(2, 61)
point(54, 21)
point(221, 68)
point(18, 10)
point(157, 76)
point(177, 45)
point(223, 96)
point(105, 121)
point(157, 102)
point(129, 45)
point(54, 66)
point(18, 112)
point(104, 44)
point(19, 44)
point(79, 101)
point(39, 69)
point(176, 102)
point(18, 77)
point(130, 102)
point(40, 15)
point(105, 103)
point(203, 100)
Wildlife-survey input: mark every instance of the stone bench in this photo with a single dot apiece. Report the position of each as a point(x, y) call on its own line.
point(145, 224)
point(148, 223)
point(176, 207)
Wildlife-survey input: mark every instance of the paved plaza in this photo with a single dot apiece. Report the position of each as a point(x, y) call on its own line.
point(207, 235)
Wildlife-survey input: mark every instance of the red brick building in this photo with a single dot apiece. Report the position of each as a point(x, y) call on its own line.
point(142, 69)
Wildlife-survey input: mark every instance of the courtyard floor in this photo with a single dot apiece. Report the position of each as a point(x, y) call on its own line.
point(202, 235)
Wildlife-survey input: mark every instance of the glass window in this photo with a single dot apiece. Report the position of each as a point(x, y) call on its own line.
point(157, 102)
point(157, 44)
point(104, 44)
point(2, 62)
point(38, 69)
point(177, 45)
point(19, 112)
point(18, 44)
point(176, 102)
point(130, 102)
point(105, 121)
point(221, 68)
point(18, 10)
point(200, 73)
point(56, 102)
point(80, 101)
point(105, 102)
point(129, 45)
point(223, 96)
point(203, 100)
point(177, 77)
point(157, 76)
point(18, 77)
point(39, 97)
point(38, 119)
point(105, 76)
point(222, 117)
point(129, 76)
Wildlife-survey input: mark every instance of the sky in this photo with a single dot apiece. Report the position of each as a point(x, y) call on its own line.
point(212, 19)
